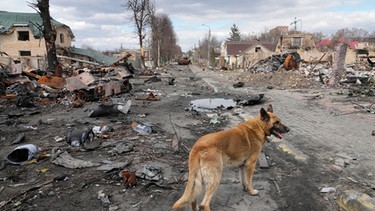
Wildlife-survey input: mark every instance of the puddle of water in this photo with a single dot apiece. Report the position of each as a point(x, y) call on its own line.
point(209, 104)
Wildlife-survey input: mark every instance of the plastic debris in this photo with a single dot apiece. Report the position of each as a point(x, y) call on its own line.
point(22, 154)
point(104, 198)
point(102, 131)
point(20, 137)
point(151, 172)
point(328, 190)
point(142, 129)
point(43, 170)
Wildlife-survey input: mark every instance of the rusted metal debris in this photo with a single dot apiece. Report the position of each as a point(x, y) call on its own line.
point(288, 61)
point(48, 79)
point(84, 84)
point(150, 97)
point(107, 82)
point(292, 61)
point(184, 61)
point(129, 178)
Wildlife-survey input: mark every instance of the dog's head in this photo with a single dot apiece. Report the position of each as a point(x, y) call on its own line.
point(273, 125)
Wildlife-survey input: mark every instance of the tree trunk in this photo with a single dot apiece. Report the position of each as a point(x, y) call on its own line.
point(338, 68)
point(49, 34)
point(143, 65)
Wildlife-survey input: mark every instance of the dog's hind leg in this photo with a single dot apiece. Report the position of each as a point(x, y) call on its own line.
point(211, 177)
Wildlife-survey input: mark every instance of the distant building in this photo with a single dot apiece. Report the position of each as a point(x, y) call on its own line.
point(279, 30)
point(236, 54)
point(295, 42)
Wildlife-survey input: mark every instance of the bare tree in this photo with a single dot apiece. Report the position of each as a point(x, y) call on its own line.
point(372, 34)
point(318, 36)
point(164, 39)
point(49, 34)
point(353, 34)
point(141, 13)
point(203, 46)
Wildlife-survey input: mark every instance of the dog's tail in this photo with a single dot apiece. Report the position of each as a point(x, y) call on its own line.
point(194, 185)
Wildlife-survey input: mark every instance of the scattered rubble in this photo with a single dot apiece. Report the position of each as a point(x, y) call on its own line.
point(275, 62)
point(289, 71)
point(75, 87)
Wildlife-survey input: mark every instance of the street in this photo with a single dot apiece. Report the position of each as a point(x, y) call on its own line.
point(328, 151)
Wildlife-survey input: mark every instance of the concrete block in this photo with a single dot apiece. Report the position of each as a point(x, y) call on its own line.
point(263, 163)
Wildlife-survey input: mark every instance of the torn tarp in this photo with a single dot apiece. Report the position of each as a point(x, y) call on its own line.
point(63, 158)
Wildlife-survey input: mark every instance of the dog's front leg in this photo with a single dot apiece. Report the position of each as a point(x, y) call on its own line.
point(250, 167)
point(243, 176)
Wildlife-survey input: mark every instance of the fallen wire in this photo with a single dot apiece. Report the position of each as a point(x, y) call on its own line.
point(148, 185)
point(95, 178)
point(365, 108)
point(186, 149)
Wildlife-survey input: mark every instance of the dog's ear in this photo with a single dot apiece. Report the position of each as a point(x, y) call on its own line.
point(264, 115)
point(270, 108)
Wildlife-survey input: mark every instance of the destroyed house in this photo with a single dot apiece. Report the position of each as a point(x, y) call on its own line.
point(21, 35)
point(236, 53)
point(85, 55)
point(21, 39)
point(295, 42)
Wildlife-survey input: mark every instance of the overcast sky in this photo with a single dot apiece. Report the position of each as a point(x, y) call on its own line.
point(103, 24)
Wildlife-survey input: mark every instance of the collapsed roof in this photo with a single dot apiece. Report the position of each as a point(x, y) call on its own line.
point(9, 20)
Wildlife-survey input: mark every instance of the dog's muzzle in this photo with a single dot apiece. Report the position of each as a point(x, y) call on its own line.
point(278, 130)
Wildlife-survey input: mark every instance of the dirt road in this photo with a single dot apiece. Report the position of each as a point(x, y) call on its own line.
point(327, 132)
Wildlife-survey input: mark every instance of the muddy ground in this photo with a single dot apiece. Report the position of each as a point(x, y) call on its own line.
point(160, 164)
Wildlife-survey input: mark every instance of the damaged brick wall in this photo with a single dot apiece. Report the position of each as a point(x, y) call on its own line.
point(295, 42)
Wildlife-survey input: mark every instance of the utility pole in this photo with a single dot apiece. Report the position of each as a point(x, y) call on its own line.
point(209, 44)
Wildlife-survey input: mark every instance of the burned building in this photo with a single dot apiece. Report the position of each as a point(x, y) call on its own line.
point(21, 37)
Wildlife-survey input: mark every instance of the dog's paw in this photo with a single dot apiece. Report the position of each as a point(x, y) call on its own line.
point(254, 192)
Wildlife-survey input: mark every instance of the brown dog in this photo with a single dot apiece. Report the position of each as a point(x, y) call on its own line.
point(237, 146)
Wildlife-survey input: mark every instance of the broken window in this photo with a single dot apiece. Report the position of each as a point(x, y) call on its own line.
point(296, 42)
point(23, 36)
point(61, 38)
point(25, 53)
point(257, 49)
